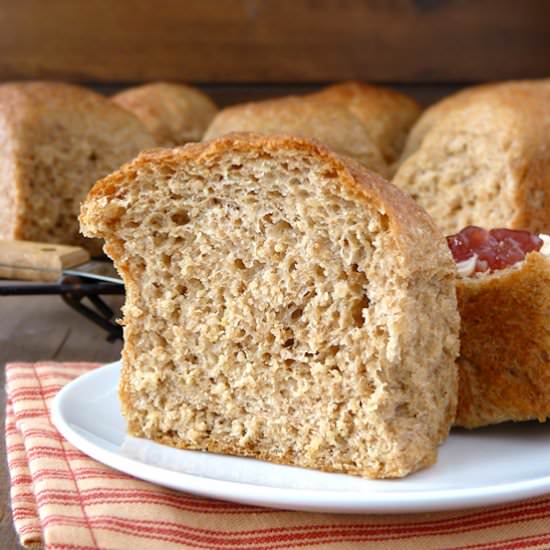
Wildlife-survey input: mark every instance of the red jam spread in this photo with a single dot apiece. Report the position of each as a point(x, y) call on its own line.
point(495, 249)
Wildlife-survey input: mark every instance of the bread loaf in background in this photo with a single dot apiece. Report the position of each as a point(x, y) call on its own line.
point(366, 123)
point(174, 113)
point(504, 363)
point(56, 141)
point(436, 113)
point(283, 303)
point(482, 157)
point(386, 115)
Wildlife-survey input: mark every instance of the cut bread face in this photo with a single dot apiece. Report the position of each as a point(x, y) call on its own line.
point(367, 123)
point(174, 113)
point(504, 362)
point(482, 157)
point(437, 112)
point(57, 140)
point(282, 303)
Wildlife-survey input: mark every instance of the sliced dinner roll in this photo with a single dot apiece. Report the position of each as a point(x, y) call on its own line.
point(504, 364)
point(283, 303)
point(504, 299)
point(56, 141)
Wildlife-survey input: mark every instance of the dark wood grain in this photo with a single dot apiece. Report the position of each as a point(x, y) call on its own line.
point(35, 328)
point(267, 41)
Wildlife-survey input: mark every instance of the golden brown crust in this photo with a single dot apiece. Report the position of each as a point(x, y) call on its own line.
point(330, 123)
point(365, 122)
point(174, 113)
point(482, 157)
point(504, 363)
point(408, 218)
point(387, 115)
point(437, 112)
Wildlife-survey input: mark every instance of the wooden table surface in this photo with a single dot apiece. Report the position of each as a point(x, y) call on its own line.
point(34, 328)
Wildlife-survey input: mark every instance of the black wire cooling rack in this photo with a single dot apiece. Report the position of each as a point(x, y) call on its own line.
point(83, 294)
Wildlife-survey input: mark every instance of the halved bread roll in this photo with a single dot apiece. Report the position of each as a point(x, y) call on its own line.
point(482, 157)
point(504, 362)
point(282, 303)
point(56, 141)
point(174, 113)
point(364, 122)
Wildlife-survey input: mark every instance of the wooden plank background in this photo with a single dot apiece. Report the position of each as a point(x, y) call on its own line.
point(270, 41)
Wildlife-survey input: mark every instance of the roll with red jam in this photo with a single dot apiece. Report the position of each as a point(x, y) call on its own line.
point(503, 290)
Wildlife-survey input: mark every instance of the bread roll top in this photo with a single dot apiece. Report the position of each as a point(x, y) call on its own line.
point(367, 123)
point(482, 157)
point(56, 140)
point(437, 112)
point(330, 123)
point(387, 115)
point(174, 113)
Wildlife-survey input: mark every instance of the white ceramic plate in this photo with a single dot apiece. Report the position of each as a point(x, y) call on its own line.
point(477, 468)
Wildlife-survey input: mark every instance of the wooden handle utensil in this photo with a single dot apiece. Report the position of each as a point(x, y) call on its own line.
point(30, 261)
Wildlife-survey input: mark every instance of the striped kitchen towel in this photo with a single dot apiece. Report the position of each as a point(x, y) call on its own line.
point(62, 500)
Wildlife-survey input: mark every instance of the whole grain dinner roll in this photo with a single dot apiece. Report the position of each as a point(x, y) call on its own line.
point(283, 303)
point(56, 141)
point(482, 158)
point(437, 112)
point(174, 113)
point(503, 291)
point(386, 115)
point(364, 122)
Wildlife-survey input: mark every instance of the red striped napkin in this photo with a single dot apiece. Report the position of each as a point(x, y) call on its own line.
point(63, 500)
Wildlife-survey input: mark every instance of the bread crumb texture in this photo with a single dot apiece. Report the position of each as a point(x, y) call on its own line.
point(56, 141)
point(282, 303)
point(482, 157)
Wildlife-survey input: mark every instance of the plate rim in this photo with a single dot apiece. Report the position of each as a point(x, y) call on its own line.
point(333, 501)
